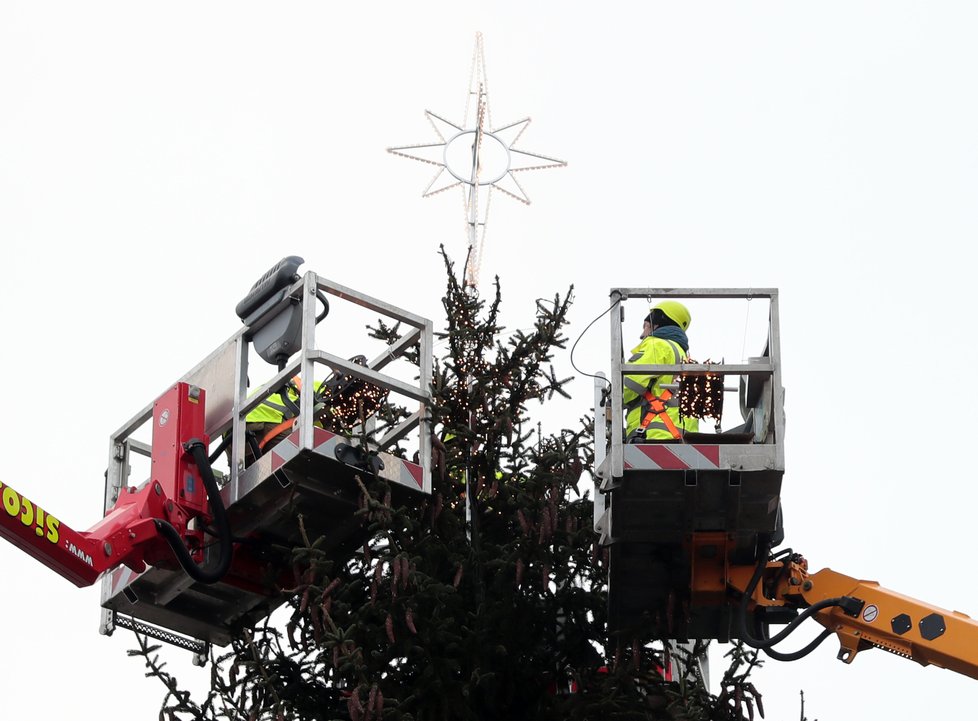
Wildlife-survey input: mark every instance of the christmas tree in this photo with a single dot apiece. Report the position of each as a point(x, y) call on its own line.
point(486, 601)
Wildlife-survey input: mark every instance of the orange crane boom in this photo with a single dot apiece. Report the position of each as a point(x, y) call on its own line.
point(862, 614)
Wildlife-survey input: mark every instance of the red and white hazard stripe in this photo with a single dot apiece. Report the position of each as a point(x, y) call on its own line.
point(668, 456)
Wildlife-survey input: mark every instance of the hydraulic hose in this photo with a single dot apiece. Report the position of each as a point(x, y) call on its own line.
point(203, 575)
point(800, 653)
point(793, 655)
point(765, 642)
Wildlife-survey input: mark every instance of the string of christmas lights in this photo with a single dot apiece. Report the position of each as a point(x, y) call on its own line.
point(701, 396)
point(349, 400)
point(463, 335)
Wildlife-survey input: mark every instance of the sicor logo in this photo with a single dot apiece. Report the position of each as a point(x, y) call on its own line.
point(164, 416)
point(16, 506)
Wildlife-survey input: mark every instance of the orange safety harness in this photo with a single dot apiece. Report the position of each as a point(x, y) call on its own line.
point(657, 408)
point(284, 425)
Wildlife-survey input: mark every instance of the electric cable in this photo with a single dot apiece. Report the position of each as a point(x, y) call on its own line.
point(290, 405)
point(322, 299)
point(253, 444)
point(226, 441)
point(222, 446)
point(573, 365)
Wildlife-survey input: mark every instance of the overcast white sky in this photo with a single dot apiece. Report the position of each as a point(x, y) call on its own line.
point(155, 158)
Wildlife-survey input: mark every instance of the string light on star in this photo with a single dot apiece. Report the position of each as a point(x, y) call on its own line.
point(478, 158)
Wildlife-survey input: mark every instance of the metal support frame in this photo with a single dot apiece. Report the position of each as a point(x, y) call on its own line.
point(659, 496)
point(223, 374)
point(228, 403)
point(768, 368)
point(600, 449)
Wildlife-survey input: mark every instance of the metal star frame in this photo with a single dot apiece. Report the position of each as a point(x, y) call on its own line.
point(477, 158)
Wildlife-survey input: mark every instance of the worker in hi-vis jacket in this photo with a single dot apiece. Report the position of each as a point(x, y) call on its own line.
point(652, 412)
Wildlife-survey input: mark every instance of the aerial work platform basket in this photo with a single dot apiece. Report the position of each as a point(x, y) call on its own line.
point(673, 514)
point(306, 487)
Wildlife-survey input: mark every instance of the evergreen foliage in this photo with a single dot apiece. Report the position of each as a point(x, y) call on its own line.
point(437, 619)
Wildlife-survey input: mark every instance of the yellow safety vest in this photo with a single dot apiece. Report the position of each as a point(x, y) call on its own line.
point(635, 389)
point(272, 409)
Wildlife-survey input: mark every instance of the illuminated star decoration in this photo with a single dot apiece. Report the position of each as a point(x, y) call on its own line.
point(477, 158)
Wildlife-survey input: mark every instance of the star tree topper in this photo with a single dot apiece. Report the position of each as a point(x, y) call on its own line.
point(478, 158)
